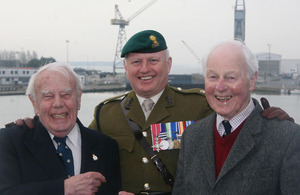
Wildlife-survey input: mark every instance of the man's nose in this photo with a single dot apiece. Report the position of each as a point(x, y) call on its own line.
point(145, 66)
point(221, 85)
point(58, 102)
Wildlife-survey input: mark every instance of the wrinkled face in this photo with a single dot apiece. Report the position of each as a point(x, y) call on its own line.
point(57, 102)
point(227, 87)
point(148, 72)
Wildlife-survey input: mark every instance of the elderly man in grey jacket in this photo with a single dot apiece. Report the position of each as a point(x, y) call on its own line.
point(235, 150)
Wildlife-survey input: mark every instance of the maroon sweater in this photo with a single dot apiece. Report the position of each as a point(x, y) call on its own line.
point(223, 146)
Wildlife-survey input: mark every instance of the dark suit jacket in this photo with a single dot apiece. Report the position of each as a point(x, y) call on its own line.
point(29, 163)
point(265, 159)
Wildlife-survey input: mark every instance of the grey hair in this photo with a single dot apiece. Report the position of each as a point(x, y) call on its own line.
point(248, 55)
point(59, 67)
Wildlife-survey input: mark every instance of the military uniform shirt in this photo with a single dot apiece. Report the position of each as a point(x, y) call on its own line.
point(137, 170)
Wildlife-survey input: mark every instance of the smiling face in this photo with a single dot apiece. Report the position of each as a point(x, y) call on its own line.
point(148, 72)
point(227, 87)
point(57, 102)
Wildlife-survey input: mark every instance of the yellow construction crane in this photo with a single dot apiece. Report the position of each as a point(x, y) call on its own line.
point(121, 22)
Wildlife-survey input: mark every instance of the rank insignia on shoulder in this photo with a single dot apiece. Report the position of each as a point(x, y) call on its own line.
point(116, 98)
point(167, 136)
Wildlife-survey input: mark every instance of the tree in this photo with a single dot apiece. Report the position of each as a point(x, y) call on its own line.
point(34, 63)
point(40, 62)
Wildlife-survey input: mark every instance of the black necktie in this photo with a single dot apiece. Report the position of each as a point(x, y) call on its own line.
point(227, 127)
point(65, 154)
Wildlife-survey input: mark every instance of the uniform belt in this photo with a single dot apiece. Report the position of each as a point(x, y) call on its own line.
point(153, 193)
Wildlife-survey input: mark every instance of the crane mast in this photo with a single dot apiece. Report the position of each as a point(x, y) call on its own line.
point(239, 20)
point(121, 22)
point(192, 51)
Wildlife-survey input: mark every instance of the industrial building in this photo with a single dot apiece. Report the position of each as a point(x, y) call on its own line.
point(16, 76)
point(268, 64)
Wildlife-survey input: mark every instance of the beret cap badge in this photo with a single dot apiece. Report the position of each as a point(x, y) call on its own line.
point(155, 42)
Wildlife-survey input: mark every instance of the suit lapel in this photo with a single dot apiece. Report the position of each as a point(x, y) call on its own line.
point(160, 110)
point(244, 143)
point(41, 146)
point(90, 153)
point(135, 111)
point(206, 150)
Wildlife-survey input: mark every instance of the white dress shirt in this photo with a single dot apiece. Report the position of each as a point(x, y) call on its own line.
point(74, 142)
point(153, 98)
point(236, 120)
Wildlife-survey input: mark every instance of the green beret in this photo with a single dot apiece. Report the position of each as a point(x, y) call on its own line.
point(147, 41)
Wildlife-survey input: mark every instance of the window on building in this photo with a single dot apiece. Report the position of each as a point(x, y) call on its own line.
point(16, 72)
point(11, 72)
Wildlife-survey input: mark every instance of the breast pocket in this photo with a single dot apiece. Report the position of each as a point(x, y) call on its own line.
point(125, 142)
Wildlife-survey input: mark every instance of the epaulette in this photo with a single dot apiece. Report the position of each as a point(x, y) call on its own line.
point(113, 99)
point(116, 98)
point(189, 91)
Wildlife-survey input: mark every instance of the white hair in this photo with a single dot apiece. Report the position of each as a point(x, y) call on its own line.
point(59, 67)
point(248, 55)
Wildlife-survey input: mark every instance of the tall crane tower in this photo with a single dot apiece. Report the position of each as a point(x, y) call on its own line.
point(192, 51)
point(200, 60)
point(239, 20)
point(121, 22)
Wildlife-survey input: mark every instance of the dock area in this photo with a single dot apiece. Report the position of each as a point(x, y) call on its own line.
point(18, 90)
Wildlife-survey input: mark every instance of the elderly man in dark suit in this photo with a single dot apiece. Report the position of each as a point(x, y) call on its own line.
point(235, 150)
point(38, 162)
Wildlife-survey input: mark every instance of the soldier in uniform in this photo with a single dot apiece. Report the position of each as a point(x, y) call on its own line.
point(147, 64)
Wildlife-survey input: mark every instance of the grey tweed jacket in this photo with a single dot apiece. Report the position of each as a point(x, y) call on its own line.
point(265, 159)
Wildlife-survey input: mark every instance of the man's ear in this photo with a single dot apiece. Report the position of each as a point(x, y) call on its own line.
point(252, 83)
point(79, 100)
point(125, 65)
point(34, 104)
point(169, 64)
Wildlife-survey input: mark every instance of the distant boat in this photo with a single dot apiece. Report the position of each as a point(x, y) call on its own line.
point(295, 91)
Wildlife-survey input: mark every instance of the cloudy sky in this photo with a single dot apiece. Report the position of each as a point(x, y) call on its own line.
point(45, 25)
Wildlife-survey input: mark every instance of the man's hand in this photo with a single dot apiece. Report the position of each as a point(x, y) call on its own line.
point(23, 122)
point(85, 183)
point(273, 112)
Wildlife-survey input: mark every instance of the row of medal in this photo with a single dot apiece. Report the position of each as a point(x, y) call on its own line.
point(167, 136)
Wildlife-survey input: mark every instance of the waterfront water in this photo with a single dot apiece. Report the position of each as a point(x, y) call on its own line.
point(19, 106)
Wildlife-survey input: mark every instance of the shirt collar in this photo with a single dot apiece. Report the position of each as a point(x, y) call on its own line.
point(236, 120)
point(72, 137)
point(153, 98)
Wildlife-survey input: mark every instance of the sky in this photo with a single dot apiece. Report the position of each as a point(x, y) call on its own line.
point(45, 25)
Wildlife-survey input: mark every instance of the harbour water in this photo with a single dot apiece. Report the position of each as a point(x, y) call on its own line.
point(19, 106)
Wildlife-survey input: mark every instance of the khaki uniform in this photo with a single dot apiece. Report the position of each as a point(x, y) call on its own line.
point(137, 170)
